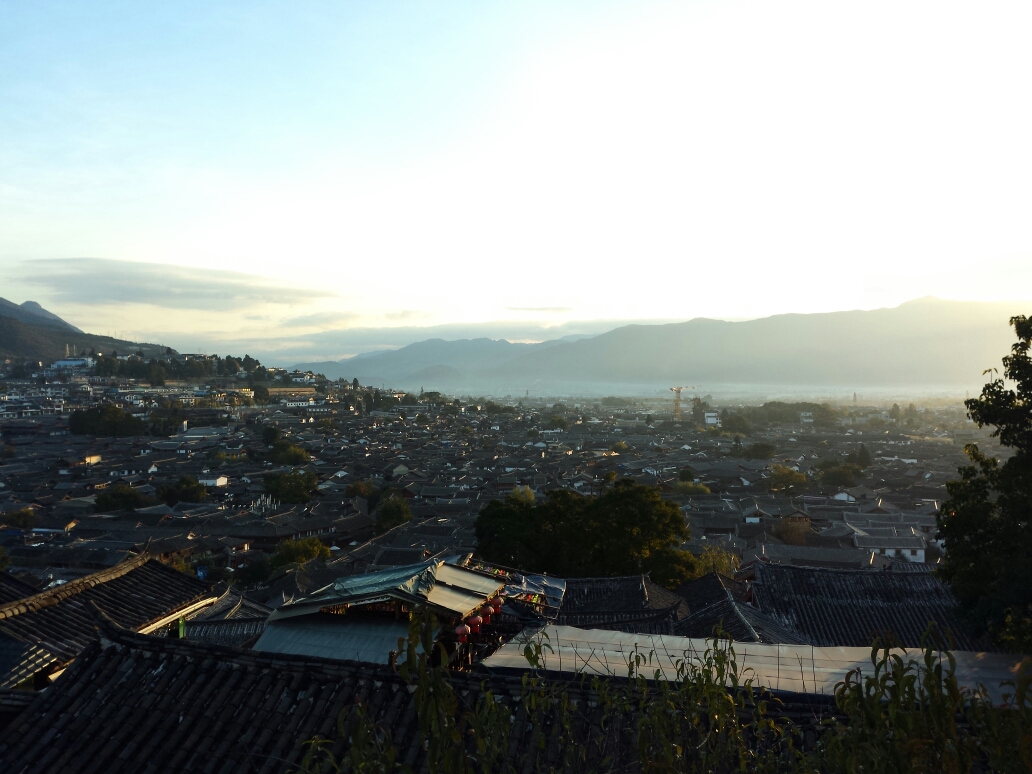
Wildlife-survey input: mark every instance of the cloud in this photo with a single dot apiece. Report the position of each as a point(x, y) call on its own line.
point(406, 314)
point(320, 320)
point(539, 308)
point(101, 281)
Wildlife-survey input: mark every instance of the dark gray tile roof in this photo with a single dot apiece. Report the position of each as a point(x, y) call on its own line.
point(133, 594)
point(833, 607)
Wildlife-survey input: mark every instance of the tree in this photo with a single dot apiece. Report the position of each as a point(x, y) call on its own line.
point(364, 489)
point(863, 457)
point(895, 413)
point(105, 420)
point(557, 423)
point(299, 552)
point(841, 475)
point(736, 423)
point(521, 494)
point(785, 480)
point(985, 523)
point(294, 487)
point(759, 451)
point(261, 394)
point(121, 497)
point(699, 409)
point(393, 511)
point(286, 453)
point(619, 447)
point(713, 559)
point(23, 519)
point(629, 529)
point(270, 434)
point(156, 375)
point(186, 490)
point(691, 488)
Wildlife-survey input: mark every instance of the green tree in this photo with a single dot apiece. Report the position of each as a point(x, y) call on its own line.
point(157, 375)
point(186, 490)
point(713, 559)
point(736, 423)
point(23, 519)
point(106, 420)
point(760, 450)
point(691, 488)
point(985, 523)
point(121, 497)
point(841, 475)
point(619, 447)
point(270, 434)
point(557, 423)
point(261, 394)
point(286, 453)
point(364, 489)
point(895, 413)
point(299, 552)
point(293, 487)
point(784, 480)
point(699, 409)
point(521, 494)
point(863, 457)
point(626, 530)
point(393, 511)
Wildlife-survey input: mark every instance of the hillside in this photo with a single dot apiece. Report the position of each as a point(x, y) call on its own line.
point(922, 343)
point(32, 313)
point(36, 334)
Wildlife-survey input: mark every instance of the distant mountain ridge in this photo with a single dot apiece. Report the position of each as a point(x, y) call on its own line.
point(920, 343)
point(32, 313)
point(30, 332)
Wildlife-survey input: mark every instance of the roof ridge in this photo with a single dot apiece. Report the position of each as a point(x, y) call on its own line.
point(52, 596)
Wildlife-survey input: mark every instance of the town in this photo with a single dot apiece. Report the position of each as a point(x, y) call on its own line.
point(193, 506)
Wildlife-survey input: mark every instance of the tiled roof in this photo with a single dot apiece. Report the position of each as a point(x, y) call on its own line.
point(12, 588)
point(850, 607)
point(628, 603)
point(133, 703)
point(715, 600)
point(134, 594)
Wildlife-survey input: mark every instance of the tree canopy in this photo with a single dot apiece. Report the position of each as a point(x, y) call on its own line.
point(122, 497)
point(105, 420)
point(985, 522)
point(299, 552)
point(626, 530)
point(394, 510)
point(294, 487)
point(186, 489)
point(785, 480)
point(761, 450)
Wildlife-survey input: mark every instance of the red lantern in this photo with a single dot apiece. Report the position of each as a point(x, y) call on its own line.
point(460, 632)
point(474, 624)
point(496, 603)
point(486, 614)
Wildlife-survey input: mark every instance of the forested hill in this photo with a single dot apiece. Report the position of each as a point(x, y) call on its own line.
point(29, 332)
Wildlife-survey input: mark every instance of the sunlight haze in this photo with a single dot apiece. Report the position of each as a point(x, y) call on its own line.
point(207, 175)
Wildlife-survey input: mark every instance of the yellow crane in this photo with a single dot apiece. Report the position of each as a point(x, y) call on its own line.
point(677, 399)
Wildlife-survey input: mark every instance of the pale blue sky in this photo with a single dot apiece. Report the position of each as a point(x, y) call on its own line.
point(417, 163)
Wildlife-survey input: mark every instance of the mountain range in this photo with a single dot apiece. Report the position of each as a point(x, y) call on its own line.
point(30, 332)
point(923, 343)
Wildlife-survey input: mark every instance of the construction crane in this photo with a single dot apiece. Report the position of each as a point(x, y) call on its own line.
point(677, 399)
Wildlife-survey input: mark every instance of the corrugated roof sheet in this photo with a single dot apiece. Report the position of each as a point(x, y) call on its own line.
point(789, 668)
point(334, 636)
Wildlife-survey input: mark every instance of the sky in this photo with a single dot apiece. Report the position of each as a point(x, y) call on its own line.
point(313, 180)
